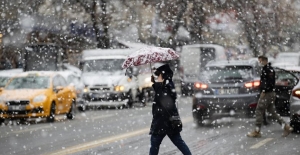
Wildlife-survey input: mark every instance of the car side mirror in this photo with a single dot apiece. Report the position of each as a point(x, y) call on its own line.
point(58, 88)
point(129, 72)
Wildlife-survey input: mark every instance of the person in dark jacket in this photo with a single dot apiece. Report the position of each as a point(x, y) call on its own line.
point(162, 109)
point(267, 99)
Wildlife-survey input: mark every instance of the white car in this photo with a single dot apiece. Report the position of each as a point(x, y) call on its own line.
point(286, 59)
point(295, 108)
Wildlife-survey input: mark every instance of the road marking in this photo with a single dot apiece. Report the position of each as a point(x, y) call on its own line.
point(261, 143)
point(92, 144)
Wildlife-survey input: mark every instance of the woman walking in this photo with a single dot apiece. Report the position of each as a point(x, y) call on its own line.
point(163, 109)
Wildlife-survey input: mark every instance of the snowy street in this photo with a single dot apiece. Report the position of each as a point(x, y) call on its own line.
point(125, 132)
point(78, 77)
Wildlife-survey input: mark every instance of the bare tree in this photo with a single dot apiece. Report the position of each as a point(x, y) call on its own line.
point(263, 21)
point(91, 7)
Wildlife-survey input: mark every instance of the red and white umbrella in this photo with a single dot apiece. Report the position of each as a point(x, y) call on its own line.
point(150, 55)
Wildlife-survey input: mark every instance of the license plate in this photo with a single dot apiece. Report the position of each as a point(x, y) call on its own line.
point(16, 108)
point(98, 96)
point(227, 91)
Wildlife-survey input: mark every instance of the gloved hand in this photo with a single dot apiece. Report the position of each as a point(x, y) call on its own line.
point(152, 79)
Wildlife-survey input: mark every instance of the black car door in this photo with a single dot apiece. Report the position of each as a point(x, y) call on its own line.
point(284, 83)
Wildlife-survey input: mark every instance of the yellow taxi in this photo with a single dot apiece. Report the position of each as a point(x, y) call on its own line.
point(37, 94)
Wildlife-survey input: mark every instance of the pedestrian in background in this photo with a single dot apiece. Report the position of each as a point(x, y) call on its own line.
point(162, 109)
point(267, 99)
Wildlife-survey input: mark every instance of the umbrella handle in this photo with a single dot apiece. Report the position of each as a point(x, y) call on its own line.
point(151, 68)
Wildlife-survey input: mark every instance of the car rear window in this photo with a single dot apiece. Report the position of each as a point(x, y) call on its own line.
point(227, 73)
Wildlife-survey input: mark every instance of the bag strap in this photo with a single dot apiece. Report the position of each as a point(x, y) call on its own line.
point(167, 110)
point(176, 104)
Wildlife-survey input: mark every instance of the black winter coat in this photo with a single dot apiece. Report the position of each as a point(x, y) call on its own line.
point(163, 107)
point(267, 78)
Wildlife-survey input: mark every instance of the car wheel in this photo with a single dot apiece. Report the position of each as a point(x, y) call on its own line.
point(295, 124)
point(145, 97)
point(1, 120)
point(82, 108)
point(250, 113)
point(51, 117)
point(295, 127)
point(71, 113)
point(198, 120)
point(183, 93)
point(130, 100)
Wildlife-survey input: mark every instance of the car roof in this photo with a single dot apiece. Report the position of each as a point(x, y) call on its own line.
point(231, 63)
point(291, 68)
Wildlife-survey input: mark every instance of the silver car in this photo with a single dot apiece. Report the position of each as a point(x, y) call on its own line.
point(295, 108)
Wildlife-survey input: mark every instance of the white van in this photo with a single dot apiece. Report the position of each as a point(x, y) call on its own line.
point(105, 82)
point(286, 59)
point(193, 58)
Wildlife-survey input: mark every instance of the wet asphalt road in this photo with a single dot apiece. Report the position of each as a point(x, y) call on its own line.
point(125, 132)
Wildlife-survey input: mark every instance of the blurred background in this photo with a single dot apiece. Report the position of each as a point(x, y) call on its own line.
point(253, 26)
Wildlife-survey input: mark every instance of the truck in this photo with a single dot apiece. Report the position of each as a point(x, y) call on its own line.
point(43, 57)
point(193, 58)
point(105, 83)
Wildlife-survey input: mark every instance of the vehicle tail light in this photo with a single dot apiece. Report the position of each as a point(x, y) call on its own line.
point(199, 85)
point(181, 71)
point(296, 93)
point(200, 106)
point(252, 105)
point(252, 84)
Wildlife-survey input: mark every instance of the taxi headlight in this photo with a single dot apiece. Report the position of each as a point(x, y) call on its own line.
point(119, 88)
point(2, 99)
point(39, 98)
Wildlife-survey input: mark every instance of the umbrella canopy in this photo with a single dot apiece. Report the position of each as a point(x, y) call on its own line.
point(149, 55)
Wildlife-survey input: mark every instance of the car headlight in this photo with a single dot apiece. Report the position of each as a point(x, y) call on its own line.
point(39, 98)
point(148, 79)
point(119, 88)
point(85, 89)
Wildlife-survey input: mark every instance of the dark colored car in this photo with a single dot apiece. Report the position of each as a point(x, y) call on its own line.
point(231, 88)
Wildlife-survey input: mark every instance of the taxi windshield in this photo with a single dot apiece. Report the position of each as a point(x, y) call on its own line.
point(3, 81)
point(29, 82)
